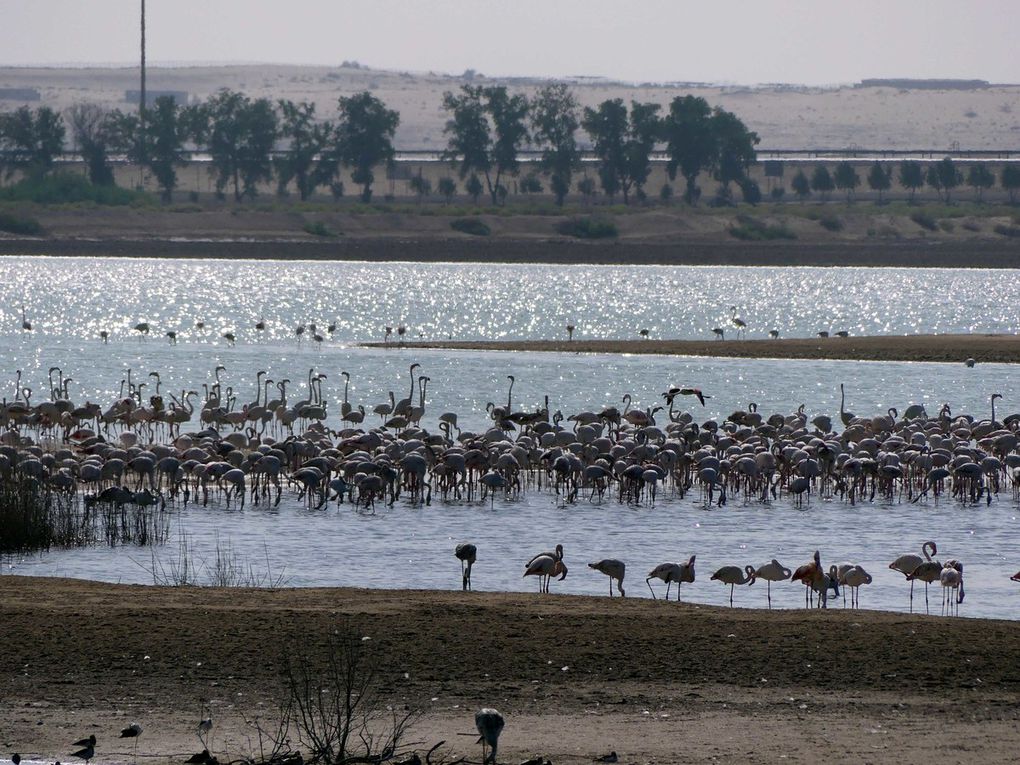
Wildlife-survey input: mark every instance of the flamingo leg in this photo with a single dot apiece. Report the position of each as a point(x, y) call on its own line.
point(769, 591)
point(649, 583)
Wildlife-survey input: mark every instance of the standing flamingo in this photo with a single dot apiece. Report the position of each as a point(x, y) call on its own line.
point(466, 553)
point(772, 572)
point(489, 724)
point(906, 564)
point(732, 575)
point(614, 569)
point(737, 322)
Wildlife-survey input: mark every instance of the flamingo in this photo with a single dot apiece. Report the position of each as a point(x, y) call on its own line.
point(614, 569)
point(1015, 577)
point(809, 574)
point(26, 325)
point(737, 322)
point(545, 567)
point(772, 571)
point(466, 553)
point(732, 575)
point(951, 579)
point(142, 328)
point(672, 572)
point(134, 730)
point(908, 562)
point(774, 334)
point(404, 405)
point(489, 724)
point(719, 332)
point(845, 416)
point(854, 577)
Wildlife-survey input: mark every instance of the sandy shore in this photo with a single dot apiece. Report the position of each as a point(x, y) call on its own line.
point(1004, 349)
point(575, 677)
point(428, 240)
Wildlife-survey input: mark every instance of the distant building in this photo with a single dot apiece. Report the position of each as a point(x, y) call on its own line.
point(134, 96)
point(19, 94)
point(907, 83)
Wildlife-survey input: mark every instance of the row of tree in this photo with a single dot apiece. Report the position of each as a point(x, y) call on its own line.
point(251, 140)
point(943, 177)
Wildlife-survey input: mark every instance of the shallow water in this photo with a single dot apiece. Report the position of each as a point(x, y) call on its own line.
point(412, 547)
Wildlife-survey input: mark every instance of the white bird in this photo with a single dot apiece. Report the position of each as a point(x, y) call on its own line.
point(733, 575)
point(545, 567)
point(951, 579)
point(489, 723)
point(772, 571)
point(853, 578)
point(669, 573)
point(466, 553)
point(907, 563)
point(614, 569)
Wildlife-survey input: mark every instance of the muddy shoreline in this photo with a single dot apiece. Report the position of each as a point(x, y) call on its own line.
point(902, 254)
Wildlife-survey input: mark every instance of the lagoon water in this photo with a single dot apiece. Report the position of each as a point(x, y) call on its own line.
point(69, 301)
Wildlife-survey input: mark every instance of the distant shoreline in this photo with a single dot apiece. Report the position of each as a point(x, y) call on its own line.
point(1001, 349)
point(432, 249)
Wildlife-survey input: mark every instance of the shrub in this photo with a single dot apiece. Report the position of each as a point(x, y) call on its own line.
point(971, 226)
point(924, 220)
point(318, 228)
point(473, 226)
point(67, 188)
point(587, 228)
point(751, 229)
point(19, 224)
point(1010, 231)
point(947, 225)
point(831, 222)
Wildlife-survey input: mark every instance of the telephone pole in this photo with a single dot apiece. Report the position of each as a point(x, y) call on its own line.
point(142, 105)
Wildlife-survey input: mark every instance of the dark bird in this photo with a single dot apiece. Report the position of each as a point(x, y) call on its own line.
point(467, 554)
point(202, 758)
point(16, 758)
point(134, 730)
point(87, 753)
point(90, 741)
point(611, 757)
point(489, 723)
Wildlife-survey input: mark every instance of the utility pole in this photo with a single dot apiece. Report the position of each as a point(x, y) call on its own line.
point(141, 107)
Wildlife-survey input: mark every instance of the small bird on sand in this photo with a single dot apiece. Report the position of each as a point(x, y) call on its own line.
point(87, 753)
point(134, 730)
point(90, 741)
point(611, 757)
point(202, 758)
point(16, 758)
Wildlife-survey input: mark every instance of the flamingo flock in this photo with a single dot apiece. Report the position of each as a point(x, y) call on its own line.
point(236, 444)
point(817, 580)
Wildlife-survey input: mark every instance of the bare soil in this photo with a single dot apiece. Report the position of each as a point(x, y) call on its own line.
point(575, 677)
point(1003, 349)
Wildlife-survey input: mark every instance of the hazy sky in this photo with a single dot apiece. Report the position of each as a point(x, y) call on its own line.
point(743, 41)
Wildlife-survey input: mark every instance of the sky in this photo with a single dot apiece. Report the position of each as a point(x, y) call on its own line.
point(818, 42)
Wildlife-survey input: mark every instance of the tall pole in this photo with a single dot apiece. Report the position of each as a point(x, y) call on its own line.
point(141, 105)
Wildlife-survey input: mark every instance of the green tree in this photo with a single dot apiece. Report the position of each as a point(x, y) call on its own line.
point(554, 123)
point(821, 181)
point(623, 145)
point(364, 137)
point(1010, 180)
point(586, 186)
point(911, 177)
point(486, 130)
point(474, 187)
point(801, 185)
point(750, 190)
point(949, 176)
point(165, 133)
point(690, 141)
point(241, 136)
point(421, 186)
point(31, 140)
point(94, 133)
point(307, 159)
point(530, 184)
point(979, 178)
point(846, 179)
point(879, 179)
point(447, 188)
point(734, 147)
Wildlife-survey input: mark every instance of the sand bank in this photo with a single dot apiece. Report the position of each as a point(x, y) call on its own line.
point(575, 677)
point(1003, 349)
